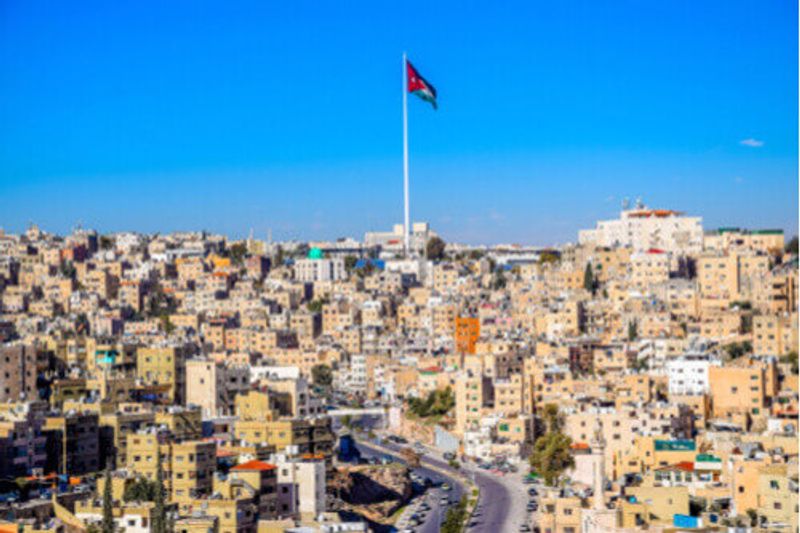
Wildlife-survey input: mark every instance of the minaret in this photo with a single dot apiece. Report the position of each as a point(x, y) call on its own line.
point(598, 445)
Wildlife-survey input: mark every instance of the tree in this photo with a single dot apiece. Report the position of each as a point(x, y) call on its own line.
point(350, 262)
point(548, 257)
point(434, 249)
point(588, 278)
point(141, 490)
point(438, 402)
point(159, 510)
point(551, 456)
point(322, 375)
point(455, 517)
point(792, 245)
point(315, 306)
point(166, 324)
point(106, 243)
point(553, 419)
point(237, 253)
point(791, 358)
point(499, 281)
point(279, 258)
point(633, 330)
point(108, 504)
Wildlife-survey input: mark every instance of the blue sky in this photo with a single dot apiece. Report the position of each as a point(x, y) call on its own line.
point(158, 116)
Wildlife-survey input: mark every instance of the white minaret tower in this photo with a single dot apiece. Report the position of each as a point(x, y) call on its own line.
point(598, 445)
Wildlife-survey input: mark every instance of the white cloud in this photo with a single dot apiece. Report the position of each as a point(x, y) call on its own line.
point(752, 143)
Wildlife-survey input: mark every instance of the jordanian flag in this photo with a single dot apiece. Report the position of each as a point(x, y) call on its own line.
point(419, 85)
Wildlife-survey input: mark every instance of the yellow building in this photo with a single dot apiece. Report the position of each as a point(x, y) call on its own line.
point(163, 367)
point(188, 466)
point(775, 334)
point(777, 496)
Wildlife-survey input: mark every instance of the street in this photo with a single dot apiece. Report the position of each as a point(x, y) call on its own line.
point(432, 496)
point(501, 506)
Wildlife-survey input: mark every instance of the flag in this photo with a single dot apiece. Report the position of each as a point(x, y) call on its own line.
point(419, 85)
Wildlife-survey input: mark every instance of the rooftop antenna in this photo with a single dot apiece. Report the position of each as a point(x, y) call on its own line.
point(639, 203)
point(626, 203)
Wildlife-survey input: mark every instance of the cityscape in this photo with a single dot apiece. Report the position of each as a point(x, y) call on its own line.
point(369, 267)
point(644, 377)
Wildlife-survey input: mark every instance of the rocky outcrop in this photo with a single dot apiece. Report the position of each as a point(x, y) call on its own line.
point(373, 491)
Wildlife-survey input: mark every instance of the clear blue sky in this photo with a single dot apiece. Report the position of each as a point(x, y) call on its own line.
point(157, 116)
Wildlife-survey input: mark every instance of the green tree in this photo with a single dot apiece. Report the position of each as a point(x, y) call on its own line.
point(455, 517)
point(322, 375)
point(434, 249)
point(350, 262)
point(108, 504)
point(588, 278)
point(141, 490)
point(166, 324)
point(438, 402)
point(792, 245)
point(365, 270)
point(315, 306)
point(279, 256)
point(499, 281)
point(553, 419)
point(633, 330)
point(237, 253)
point(551, 456)
point(548, 257)
point(159, 509)
point(791, 358)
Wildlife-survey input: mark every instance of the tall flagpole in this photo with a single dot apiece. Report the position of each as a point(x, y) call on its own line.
point(406, 225)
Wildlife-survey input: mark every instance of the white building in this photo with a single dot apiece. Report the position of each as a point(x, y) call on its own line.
point(643, 229)
point(688, 375)
point(394, 241)
point(311, 270)
point(301, 487)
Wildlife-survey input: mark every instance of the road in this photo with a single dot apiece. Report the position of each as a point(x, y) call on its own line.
point(432, 496)
point(501, 506)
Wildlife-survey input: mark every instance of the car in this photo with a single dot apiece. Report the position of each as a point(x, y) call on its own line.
point(446, 486)
point(449, 456)
point(532, 506)
point(524, 528)
point(444, 501)
point(533, 492)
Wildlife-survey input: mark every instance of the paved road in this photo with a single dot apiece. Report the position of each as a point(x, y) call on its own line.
point(433, 496)
point(502, 501)
point(492, 511)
